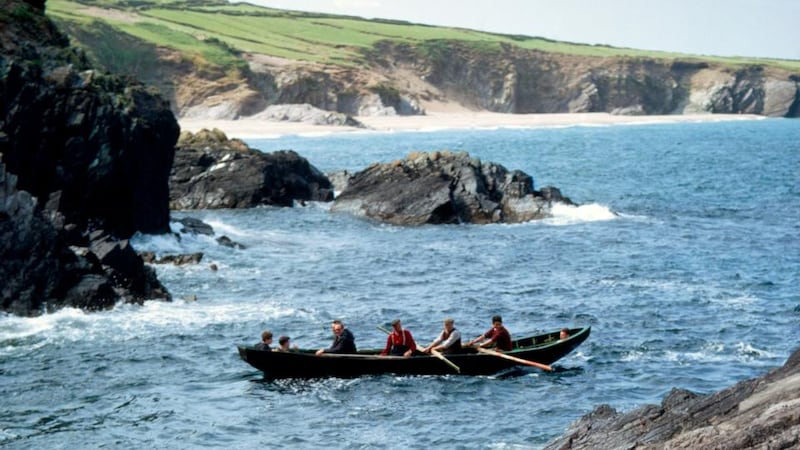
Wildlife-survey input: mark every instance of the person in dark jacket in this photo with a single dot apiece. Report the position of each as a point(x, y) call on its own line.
point(266, 340)
point(343, 340)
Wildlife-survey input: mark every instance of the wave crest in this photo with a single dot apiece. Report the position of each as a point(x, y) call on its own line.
point(567, 214)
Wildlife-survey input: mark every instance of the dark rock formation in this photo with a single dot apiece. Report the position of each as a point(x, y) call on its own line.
point(195, 226)
point(762, 413)
point(44, 267)
point(225, 241)
point(82, 151)
point(445, 187)
point(93, 147)
point(212, 171)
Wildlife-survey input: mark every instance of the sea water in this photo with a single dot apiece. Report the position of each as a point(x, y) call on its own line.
point(683, 258)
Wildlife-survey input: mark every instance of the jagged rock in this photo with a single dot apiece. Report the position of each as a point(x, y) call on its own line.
point(80, 151)
point(225, 241)
point(196, 226)
point(211, 171)
point(763, 412)
point(93, 292)
point(103, 145)
point(444, 187)
point(178, 260)
point(42, 271)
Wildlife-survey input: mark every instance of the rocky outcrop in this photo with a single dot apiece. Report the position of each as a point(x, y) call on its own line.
point(212, 171)
point(95, 148)
point(445, 187)
point(86, 158)
point(761, 413)
point(306, 113)
point(46, 265)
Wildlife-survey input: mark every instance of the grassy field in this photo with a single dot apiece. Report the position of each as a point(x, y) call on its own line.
point(188, 26)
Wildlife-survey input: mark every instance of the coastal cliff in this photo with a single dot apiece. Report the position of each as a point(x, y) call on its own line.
point(403, 80)
point(374, 68)
point(514, 80)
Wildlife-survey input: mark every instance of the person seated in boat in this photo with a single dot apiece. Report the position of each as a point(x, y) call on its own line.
point(448, 341)
point(400, 342)
point(343, 340)
point(266, 341)
point(563, 334)
point(283, 344)
point(497, 336)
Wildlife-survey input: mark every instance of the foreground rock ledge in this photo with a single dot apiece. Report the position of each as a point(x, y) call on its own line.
point(445, 187)
point(762, 413)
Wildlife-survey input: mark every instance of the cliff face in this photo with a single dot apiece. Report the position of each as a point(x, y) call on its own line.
point(400, 79)
point(515, 80)
point(90, 154)
point(97, 147)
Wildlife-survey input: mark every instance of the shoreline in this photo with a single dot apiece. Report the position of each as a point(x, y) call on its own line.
point(436, 121)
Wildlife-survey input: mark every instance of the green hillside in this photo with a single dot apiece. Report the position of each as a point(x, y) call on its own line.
point(214, 32)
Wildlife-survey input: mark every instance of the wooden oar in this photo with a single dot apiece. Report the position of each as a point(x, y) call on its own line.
point(433, 352)
point(514, 358)
point(449, 363)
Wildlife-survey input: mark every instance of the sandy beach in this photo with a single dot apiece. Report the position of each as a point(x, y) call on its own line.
point(251, 128)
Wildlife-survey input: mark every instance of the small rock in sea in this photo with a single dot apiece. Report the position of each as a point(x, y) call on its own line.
point(213, 267)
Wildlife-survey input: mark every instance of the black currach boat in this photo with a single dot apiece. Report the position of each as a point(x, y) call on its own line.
point(542, 349)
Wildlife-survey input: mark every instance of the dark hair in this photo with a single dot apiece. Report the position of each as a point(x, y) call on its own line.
point(497, 319)
point(266, 335)
point(283, 339)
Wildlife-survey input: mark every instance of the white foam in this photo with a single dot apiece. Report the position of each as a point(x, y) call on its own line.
point(568, 214)
point(159, 243)
point(747, 351)
point(633, 355)
point(718, 352)
point(221, 227)
point(128, 321)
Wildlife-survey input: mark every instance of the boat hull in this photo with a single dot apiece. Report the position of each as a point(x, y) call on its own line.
point(544, 349)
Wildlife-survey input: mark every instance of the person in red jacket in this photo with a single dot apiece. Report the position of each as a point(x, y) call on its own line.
point(497, 336)
point(400, 342)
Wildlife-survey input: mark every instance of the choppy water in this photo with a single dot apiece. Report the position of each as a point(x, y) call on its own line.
point(694, 285)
